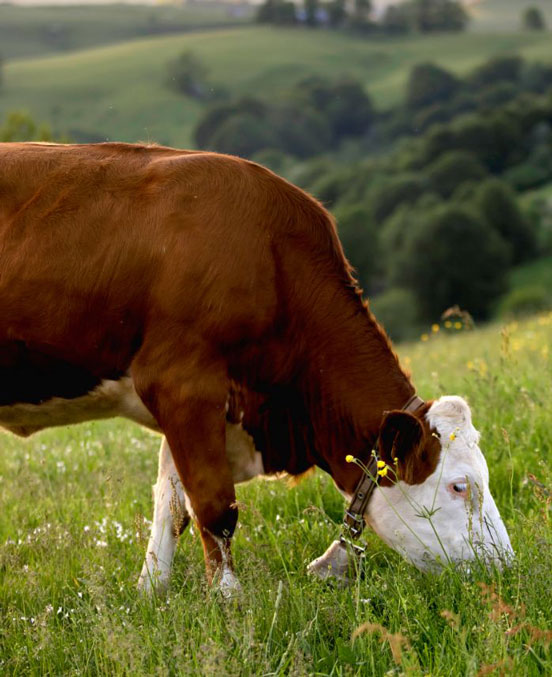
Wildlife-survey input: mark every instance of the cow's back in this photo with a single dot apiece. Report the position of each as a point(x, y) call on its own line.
point(100, 243)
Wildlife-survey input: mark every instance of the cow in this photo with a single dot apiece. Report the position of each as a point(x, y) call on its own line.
point(206, 298)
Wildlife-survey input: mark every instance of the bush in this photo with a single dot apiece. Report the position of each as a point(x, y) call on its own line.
point(452, 169)
point(188, 75)
point(390, 193)
point(397, 311)
point(279, 12)
point(358, 234)
point(525, 301)
point(447, 257)
point(429, 84)
point(497, 203)
point(498, 69)
point(533, 19)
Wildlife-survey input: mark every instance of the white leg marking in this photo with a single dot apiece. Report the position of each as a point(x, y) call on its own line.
point(168, 517)
point(228, 583)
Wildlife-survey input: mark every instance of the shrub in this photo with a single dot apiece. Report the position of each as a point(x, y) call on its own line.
point(533, 19)
point(449, 256)
point(525, 301)
point(498, 69)
point(397, 311)
point(358, 234)
point(390, 193)
point(429, 84)
point(497, 203)
point(187, 75)
point(452, 169)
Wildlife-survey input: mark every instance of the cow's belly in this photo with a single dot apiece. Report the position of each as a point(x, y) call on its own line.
point(119, 398)
point(110, 398)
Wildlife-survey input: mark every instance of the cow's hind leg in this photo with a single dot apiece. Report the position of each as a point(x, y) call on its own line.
point(170, 518)
point(190, 406)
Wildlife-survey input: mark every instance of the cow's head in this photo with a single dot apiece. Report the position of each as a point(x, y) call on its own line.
point(440, 509)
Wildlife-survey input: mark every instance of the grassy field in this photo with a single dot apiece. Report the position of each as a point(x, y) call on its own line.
point(73, 530)
point(36, 31)
point(120, 92)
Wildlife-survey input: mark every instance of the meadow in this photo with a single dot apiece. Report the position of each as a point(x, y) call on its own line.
point(74, 525)
point(121, 92)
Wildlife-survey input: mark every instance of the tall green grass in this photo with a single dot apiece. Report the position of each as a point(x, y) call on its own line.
point(73, 529)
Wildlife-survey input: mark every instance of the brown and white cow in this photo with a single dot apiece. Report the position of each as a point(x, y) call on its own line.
point(203, 296)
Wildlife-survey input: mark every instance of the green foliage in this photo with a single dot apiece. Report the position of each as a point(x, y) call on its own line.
point(524, 301)
point(279, 12)
point(397, 311)
point(497, 203)
point(448, 256)
point(359, 237)
point(452, 169)
point(533, 19)
point(188, 75)
point(345, 105)
point(428, 84)
point(389, 193)
point(425, 16)
point(20, 126)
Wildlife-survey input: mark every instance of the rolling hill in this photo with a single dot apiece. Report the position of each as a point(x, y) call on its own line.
point(121, 92)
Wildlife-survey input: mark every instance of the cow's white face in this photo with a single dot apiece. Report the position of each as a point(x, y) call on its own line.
point(451, 516)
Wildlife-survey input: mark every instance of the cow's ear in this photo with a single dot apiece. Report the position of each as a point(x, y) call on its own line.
point(400, 444)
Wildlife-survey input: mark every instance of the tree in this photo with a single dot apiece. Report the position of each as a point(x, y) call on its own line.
point(452, 169)
point(358, 234)
point(19, 126)
point(533, 19)
point(280, 12)
point(498, 205)
point(498, 69)
point(337, 12)
point(188, 75)
point(449, 256)
point(311, 9)
point(429, 84)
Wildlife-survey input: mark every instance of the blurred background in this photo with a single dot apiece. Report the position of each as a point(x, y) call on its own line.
point(425, 126)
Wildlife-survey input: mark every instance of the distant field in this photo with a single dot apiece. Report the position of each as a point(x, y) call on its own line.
point(73, 531)
point(504, 15)
point(35, 31)
point(119, 92)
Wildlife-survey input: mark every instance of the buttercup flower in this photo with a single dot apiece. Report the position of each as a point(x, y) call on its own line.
point(349, 458)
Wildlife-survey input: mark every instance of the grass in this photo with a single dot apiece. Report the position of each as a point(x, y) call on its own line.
point(120, 92)
point(41, 30)
point(73, 530)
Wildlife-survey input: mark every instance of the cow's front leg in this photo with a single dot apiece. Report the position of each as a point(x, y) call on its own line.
point(170, 518)
point(190, 406)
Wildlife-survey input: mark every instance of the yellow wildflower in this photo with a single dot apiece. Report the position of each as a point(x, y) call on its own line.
point(458, 325)
point(424, 337)
point(452, 437)
point(381, 464)
point(448, 324)
point(383, 471)
point(435, 328)
point(349, 458)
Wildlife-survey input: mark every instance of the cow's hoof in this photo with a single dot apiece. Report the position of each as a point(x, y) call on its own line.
point(152, 583)
point(334, 564)
point(229, 586)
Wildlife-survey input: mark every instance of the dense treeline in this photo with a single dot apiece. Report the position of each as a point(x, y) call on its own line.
point(426, 194)
point(412, 16)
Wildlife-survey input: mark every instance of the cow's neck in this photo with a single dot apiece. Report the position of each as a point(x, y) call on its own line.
point(353, 377)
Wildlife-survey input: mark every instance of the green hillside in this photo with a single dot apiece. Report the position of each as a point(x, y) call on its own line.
point(120, 92)
point(39, 30)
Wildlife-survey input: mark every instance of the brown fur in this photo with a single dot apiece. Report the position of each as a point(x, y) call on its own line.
point(212, 281)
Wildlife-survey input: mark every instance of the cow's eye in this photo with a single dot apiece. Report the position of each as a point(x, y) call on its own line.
point(458, 489)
